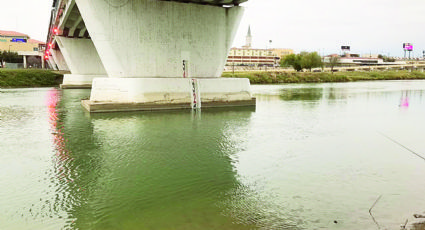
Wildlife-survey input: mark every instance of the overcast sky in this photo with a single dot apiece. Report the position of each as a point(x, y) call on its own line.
point(368, 26)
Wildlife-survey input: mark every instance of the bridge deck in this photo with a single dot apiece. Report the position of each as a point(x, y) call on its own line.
point(203, 2)
point(211, 2)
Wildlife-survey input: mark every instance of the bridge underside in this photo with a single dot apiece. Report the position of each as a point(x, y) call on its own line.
point(212, 2)
point(147, 52)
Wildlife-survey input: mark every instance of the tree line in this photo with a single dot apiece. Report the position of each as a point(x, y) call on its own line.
point(10, 57)
point(303, 60)
point(309, 60)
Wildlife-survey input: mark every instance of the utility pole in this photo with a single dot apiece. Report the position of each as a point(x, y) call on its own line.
point(268, 53)
point(233, 64)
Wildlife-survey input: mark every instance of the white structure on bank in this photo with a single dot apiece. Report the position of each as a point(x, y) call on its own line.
point(248, 44)
point(150, 50)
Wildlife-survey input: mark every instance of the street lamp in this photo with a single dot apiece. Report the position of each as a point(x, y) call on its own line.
point(268, 52)
point(9, 48)
point(233, 61)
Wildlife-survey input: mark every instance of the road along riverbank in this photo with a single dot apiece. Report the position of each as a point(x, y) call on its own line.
point(312, 77)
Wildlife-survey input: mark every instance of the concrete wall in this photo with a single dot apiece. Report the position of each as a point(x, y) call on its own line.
point(145, 38)
point(168, 90)
point(81, 56)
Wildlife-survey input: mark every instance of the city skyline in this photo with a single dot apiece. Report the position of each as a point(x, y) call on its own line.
point(368, 26)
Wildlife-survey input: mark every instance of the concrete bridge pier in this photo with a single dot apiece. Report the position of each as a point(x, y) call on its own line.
point(59, 59)
point(52, 64)
point(156, 54)
point(162, 54)
point(82, 60)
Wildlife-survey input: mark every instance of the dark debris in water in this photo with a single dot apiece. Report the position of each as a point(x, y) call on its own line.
point(417, 224)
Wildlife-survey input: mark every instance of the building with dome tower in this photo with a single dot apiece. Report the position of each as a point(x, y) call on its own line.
point(248, 56)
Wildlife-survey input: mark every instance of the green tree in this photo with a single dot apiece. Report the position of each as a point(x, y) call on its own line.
point(293, 60)
point(303, 60)
point(333, 61)
point(310, 60)
point(11, 57)
point(388, 59)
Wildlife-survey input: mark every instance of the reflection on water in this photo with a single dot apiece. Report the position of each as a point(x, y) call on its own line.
point(303, 94)
point(404, 101)
point(165, 170)
point(310, 156)
point(333, 161)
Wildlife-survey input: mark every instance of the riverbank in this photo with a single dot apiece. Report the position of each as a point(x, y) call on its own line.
point(311, 77)
point(43, 78)
point(11, 78)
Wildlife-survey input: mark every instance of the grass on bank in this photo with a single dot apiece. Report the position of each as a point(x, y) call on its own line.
point(311, 77)
point(11, 78)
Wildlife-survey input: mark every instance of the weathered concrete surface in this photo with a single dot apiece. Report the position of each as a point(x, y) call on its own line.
point(81, 56)
point(77, 81)
point(101, 107)
point(59, 60)
point(83, 62)
point(120, 94)
point(148, 38)
point(52, 64)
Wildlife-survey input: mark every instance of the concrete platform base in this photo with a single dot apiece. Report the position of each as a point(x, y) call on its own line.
point(81, 86)
point(99, 107)
point(146, 94)
point(78, 81)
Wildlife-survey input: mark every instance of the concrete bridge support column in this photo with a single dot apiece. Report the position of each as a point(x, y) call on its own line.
point(82, 60)
point(60, 61)
point(52, 64)
point(152, 50)
point(25, 62)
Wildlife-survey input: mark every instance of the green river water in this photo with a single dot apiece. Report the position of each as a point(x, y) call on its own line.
point(308, 156)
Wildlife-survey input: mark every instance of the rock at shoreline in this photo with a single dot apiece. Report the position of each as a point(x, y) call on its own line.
point(419, 215)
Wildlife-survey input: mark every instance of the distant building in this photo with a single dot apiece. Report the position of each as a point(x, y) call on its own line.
point(251, 57)
point(247, 56)
point(355, 59)
point(370, 55)
point(31, 50)
point(361, 61)
point(282, 52)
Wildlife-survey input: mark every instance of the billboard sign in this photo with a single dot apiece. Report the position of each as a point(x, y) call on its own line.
point(19, 40)
point(408, 46)
point(345, 48)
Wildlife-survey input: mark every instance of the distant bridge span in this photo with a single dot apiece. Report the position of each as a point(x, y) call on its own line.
point(147, 54)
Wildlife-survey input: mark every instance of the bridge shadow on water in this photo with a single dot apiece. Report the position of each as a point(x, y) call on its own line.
point(150, 170)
